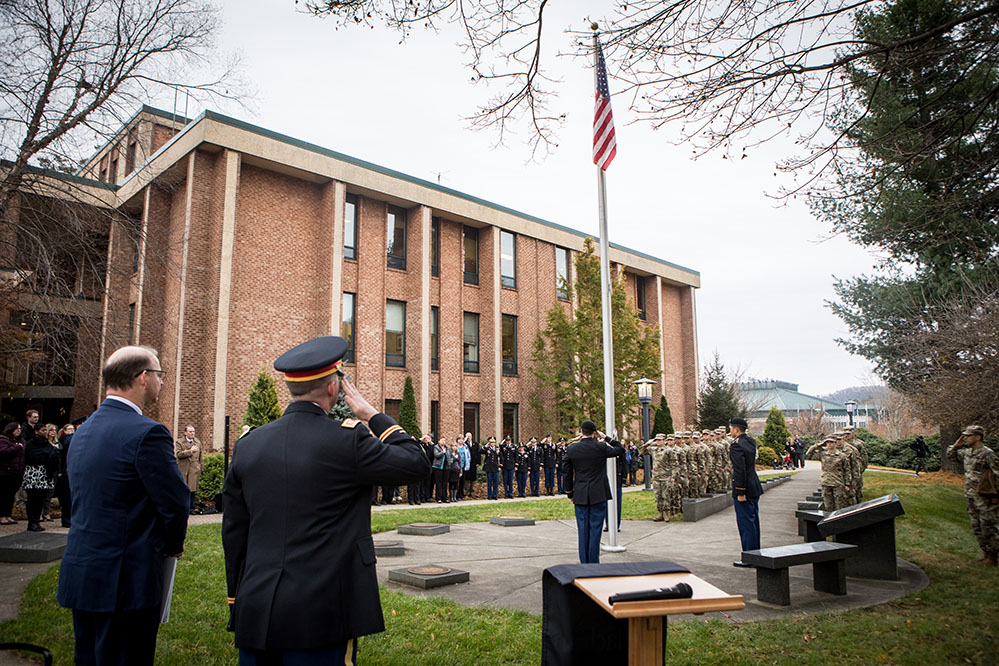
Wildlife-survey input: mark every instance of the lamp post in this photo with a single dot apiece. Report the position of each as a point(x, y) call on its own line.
point(851, 407)
point(644, 387)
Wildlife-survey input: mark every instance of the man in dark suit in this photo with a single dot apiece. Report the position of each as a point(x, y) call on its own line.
point(299, 558)
point(746, 488)
point(130, 507)
point(585, 482)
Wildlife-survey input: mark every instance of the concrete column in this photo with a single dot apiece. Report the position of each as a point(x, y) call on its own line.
point(141, 277)
point(497, 337)
point(693, 333)
point(185, 247)
point(232, 162)
point(107, 305)
point(336, 275)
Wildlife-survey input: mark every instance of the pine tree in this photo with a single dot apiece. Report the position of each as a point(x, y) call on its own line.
point(262, 407)
point(568, 353)
point(664, 419)
point(340, 410)
point(717, 402)
point(408, 419)
point(775, 433)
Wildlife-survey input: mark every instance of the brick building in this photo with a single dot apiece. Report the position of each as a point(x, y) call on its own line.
point(234, 242)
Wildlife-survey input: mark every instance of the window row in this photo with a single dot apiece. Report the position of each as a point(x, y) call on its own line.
point(396, 229)
point(395, 336)
point(470, 419)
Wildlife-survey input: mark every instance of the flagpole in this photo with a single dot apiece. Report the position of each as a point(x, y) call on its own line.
point(608, 340)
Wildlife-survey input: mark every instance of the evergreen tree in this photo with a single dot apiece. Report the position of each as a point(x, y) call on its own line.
point(262, 407)
point(717, 402)
point(340, 410)
point(408, 418)
point(568, 353)
point(664, 419)
point(775, 433)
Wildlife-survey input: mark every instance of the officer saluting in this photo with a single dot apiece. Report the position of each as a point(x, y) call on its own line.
point(299, 558)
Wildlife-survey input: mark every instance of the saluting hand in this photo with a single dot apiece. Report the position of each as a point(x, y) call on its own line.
point(362, 408)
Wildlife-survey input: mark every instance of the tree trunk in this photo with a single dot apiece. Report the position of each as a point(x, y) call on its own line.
point(948, 435)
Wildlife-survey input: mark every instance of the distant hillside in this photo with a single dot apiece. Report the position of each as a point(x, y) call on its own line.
point(858, 393)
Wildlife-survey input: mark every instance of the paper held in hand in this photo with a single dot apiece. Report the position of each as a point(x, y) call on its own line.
point(169, 571)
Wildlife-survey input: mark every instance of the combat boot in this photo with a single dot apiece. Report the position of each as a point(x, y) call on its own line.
point(659, 518)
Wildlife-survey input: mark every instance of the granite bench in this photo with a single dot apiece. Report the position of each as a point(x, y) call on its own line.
point(828, 562)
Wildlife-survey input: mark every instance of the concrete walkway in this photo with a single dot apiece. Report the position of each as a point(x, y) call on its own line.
point(505, 563)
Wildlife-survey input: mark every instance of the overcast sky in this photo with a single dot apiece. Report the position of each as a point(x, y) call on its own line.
point(766, 268)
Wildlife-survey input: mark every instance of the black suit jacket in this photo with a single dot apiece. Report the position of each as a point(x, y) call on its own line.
point(585, 470)
point(130, 508)
point(744, 479)
point(299, 558)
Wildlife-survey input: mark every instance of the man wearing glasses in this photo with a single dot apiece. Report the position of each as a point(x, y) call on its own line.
point(130, 508)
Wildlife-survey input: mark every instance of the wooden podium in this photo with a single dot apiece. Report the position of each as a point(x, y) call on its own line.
point(647, 620)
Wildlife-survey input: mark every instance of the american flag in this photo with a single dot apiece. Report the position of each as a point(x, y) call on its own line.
point(604, 142)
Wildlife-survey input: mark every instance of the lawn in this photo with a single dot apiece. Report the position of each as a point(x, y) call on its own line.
point(955, 620)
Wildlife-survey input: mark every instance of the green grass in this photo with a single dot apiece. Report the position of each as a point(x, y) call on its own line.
point(955, 620)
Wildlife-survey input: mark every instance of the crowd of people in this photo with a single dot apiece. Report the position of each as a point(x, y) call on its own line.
point(519, 468)
point(688, 464)
point(33, 459)
point(844, 458)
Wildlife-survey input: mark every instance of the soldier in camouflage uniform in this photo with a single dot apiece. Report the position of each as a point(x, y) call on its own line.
point(865, 459)
point(674, 494)
point(701, 460)
point(975, 457)
point(835, 474)
point(856, 466)
point(656, 448)
point(683, 464)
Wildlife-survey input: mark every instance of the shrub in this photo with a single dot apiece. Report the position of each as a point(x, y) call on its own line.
point(775, 434)
point(766, 456)
point(262, 407)
point(212, 475)
point(407, 411)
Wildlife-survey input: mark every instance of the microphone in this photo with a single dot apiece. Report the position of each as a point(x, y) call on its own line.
point(678, 591)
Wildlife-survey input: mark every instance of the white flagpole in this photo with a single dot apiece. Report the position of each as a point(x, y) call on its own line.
point(608, 340)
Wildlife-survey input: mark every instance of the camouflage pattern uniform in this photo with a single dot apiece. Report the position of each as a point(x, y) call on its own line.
point(675, 501)
point(703, 457)
point(683, 461)
point(660, 475)
point(865, 459)
point(984, 512)
point(856, 467)
point(835, 474)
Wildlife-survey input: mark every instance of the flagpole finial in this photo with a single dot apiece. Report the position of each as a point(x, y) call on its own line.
point(594, 27)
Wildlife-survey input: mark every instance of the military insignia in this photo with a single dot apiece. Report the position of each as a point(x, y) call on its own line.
point(349, 423)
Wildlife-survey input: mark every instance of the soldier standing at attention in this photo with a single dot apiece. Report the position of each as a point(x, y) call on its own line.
point(508, 463)
point(299, 558)
point(656, 448)
point(492, 468)
point(549, 461)
point(746, 488)
point(983, 502)
point(835, 473)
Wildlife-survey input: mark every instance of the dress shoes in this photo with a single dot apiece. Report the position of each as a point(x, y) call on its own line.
point(35, 527)
point(742, 565)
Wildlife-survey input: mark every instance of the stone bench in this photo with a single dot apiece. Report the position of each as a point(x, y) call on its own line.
point(807, 506)
point(828, 562)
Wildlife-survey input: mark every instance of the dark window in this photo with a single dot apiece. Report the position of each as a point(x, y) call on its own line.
point(392, 408)
point(131, 323)
point(347, 314)
point(350, 227)
point(395, 334)
point(113, 174)
point(508, 260)
point(509, 344)
point(471, 419)
point(640, 295)
point(435, 246)
point(104, 168)
point(396, 235)
point(562, 273)
point(133, 145)
point(435, 420)
point(470, 252)
point(470, 340)
point(435, 315)
point(511, 420)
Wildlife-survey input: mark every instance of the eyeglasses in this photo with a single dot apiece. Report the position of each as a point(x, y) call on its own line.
point(161, 373)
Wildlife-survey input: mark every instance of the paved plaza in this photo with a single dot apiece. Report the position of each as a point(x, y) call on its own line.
point(505, 563)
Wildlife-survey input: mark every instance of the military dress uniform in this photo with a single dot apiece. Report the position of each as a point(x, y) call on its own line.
point(299, 557)
point(492, 468)
point(983, 511)
point(508, 464)
point(549, 461)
